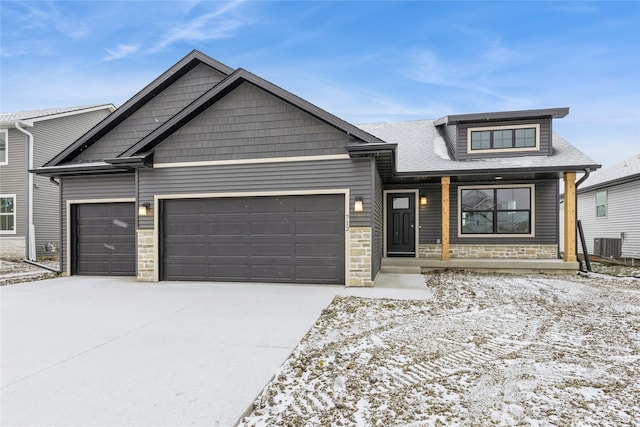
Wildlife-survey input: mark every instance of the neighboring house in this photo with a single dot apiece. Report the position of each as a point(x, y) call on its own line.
point(609, 210)
point(214, 174)
point(29, 204)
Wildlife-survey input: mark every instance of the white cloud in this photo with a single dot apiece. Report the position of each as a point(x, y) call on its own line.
point(121, 51)
point(210, 26)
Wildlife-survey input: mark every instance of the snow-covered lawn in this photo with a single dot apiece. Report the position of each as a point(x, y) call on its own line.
point(485, 350)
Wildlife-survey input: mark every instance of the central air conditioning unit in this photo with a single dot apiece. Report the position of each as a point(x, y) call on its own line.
point(607, 247)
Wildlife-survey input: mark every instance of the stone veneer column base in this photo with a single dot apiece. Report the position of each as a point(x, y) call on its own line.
point(146, 256)
point(359, 261)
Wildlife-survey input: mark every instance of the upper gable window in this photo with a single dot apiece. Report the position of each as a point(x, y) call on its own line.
point(4, 147)
point(503, 139)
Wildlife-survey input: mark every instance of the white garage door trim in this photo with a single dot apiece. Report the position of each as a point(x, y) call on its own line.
point(158, 197)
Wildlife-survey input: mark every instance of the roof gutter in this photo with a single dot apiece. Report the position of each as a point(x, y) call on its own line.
point(31, 234)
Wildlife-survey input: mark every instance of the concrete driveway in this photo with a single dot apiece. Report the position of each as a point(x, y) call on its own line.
point(111, 351)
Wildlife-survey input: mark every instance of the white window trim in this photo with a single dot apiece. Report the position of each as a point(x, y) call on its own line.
point(536, 126)
point(606, 204)
point(532, 187)
point(15, 209)
point(6, 147)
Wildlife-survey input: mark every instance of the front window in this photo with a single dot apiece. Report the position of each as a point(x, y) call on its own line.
point(8, 214)
point(504, 138)
point(601, 204)
point(496, 210)
point(4, 147)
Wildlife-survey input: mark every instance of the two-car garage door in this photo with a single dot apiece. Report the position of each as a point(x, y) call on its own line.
point(296, 239)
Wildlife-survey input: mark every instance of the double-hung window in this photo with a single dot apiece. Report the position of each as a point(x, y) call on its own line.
point(7, 214)
point(493, 210)
point(601, 204)
point(4, 147)
point(503, 138)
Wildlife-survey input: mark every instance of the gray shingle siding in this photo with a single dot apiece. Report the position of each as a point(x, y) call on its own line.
point(354, 174)
point(461, 139)
point(153, 114)
point(250, 123)
point(115, 186)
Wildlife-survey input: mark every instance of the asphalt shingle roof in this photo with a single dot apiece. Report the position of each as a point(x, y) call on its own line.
point(421, 148)
point(624, 169)
point(36, 114)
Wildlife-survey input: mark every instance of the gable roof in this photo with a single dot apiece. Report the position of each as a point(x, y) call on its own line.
point(422, 150)
point(163, 81)
point(239, 76)
point(620, 173)
point(50, 113)
point(137, 154)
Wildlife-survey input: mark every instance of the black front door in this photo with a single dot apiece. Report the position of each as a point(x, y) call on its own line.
point(401, 218)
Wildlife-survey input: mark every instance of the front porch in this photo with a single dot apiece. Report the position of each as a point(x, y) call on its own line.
point(511, 266)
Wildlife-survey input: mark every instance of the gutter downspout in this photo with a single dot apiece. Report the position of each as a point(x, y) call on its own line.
point(31, 235)
point(580, 181)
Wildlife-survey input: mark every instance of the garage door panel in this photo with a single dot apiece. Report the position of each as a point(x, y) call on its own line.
point(297, 239)
point(104, 239)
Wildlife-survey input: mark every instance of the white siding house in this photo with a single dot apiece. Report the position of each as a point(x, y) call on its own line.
point(609, 208)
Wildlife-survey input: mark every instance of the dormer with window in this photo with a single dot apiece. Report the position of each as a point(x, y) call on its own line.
point(500, 134)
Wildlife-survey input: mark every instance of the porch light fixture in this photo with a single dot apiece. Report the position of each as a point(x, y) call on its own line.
point(144, 209)
point(423, 201)
point(358, 205)
point(498, 177)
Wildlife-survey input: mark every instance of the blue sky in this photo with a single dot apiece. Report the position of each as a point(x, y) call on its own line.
point(362, 61)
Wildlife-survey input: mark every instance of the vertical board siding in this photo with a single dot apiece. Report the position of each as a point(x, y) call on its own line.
point(354, 174)
point(545, 139)
point(623, 216)
point(377, 225)
point(115, 186)
point(13, 179)
point(153, 114)
point(50, 138)
point(546, 216)
point(250, 123)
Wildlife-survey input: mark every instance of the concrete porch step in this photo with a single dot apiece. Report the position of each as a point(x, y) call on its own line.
point(400, 269)
point(523, 266)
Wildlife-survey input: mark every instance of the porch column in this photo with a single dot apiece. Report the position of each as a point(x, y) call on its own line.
point(445, 217)
point(570, 217)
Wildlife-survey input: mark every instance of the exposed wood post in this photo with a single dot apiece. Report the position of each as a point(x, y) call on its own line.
point(445, 217)
point(570, 217)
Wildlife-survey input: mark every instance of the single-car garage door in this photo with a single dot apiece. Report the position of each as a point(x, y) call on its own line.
point(294, 239)
point(103, 239)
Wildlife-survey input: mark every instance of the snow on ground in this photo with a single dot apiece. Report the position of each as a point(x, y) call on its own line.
point(485, 350)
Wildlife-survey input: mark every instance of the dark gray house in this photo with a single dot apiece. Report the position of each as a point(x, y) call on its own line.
point(29, 204)
point(214, 174)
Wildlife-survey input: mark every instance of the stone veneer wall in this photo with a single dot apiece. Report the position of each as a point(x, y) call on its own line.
point(146, 256)
point(433, 251)
point(359, 262)
point(12, 247)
